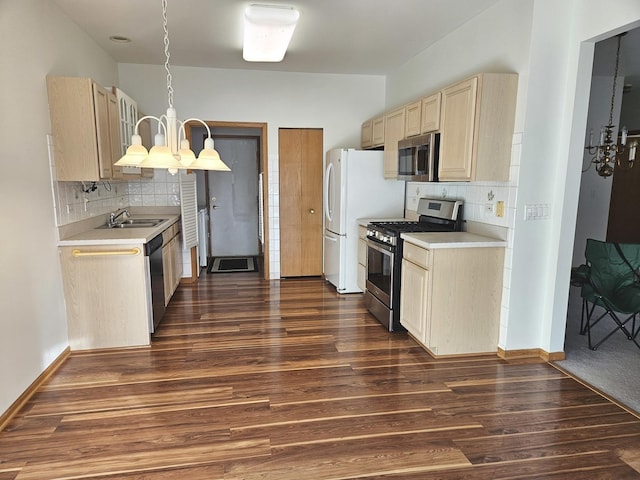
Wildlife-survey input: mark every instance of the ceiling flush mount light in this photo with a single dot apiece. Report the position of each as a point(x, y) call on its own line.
point(267, 32)
point(606, 154)
point(171, 148)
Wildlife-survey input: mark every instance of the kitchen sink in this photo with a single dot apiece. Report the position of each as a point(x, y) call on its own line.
point(136, 223)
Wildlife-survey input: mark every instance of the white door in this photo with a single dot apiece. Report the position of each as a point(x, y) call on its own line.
point(234, 199)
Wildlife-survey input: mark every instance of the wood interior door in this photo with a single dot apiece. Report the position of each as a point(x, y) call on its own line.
point(300, 151)
point(625, 198)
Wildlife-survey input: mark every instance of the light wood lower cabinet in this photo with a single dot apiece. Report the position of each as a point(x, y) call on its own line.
point(171, 260)
point(362, 258)
point(450, 298)
point(106, 288)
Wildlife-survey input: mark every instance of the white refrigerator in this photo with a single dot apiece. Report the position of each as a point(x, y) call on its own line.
point(354, 187)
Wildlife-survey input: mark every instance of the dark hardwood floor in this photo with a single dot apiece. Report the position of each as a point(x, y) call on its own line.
point(287, 380)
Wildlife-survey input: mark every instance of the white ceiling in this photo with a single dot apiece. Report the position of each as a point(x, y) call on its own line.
point(333, 36)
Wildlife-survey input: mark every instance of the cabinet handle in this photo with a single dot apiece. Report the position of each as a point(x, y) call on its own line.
point(312, 211)
point(101, 253)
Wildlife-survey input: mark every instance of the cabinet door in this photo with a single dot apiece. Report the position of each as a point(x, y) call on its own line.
point(414, 300)
point(128, 117)
point(177, 261)
point(458, 123)
point(102, 123)
point(413, 114)
point(362, 263)
point(377, 132)
point(71, 109)
point(430, 118)
point(167, 270)
point(366, 134)
point(114, 134)
point(106, 295)
point(393, 132)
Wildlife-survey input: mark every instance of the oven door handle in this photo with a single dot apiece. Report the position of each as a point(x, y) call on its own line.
point(386, 249)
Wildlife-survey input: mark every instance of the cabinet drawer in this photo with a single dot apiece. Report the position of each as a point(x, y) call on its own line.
point(170, 232)
point(417, 255)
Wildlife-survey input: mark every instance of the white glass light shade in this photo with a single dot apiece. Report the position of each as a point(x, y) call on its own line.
point(209, 159)
point(187, 157)
point(267, 32)
point(160, 156)
point(136, 153)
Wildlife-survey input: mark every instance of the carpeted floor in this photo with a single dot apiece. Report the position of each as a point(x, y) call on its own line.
point(613, 368)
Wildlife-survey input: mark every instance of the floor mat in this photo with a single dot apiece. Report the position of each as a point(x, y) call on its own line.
point(232, 264)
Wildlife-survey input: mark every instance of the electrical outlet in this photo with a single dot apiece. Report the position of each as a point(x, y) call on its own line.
point(500, 208)
point(489, 208)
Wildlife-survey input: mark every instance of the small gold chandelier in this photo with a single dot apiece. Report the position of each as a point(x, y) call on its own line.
point(606, 154)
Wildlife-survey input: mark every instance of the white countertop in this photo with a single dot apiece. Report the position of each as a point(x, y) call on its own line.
point(120, 236)
point(433, 240)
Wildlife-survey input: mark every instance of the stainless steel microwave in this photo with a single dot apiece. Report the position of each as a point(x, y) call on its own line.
point(418, 158)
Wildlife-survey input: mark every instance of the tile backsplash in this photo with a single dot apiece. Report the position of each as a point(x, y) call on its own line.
point(75, 201)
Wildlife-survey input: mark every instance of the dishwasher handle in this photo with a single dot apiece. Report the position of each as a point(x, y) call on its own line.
point(152, 245)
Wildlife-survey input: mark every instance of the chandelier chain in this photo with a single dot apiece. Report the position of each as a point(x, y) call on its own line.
point(615, 80)
point(166, 53)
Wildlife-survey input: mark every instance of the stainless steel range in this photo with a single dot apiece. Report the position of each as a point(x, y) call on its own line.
point(384, 255)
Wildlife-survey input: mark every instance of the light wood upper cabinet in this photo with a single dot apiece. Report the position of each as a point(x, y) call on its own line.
point(393, 132)
point(366, 134)
point(84, 119)
point(413, 114)
point(377, 133)
point(477, 128)
point(430, 118)
point(372, 133)
point(128, 117)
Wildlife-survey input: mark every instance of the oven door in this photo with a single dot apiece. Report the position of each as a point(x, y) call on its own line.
point(380, 260)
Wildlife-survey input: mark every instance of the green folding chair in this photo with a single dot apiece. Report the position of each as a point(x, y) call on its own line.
point(613, 273)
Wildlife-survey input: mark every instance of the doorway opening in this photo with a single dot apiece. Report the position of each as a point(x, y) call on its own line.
point(232, 204)
point(603, 213)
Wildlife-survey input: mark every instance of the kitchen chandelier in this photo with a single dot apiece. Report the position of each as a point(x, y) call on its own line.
point(606, 154)
point(171, 133)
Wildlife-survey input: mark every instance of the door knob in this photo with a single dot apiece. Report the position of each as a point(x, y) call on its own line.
point(312, 211)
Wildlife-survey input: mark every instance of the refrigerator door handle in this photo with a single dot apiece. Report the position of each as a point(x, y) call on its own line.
point(328, 179)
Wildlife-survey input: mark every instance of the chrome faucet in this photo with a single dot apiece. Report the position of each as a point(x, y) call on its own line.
point(113, 216)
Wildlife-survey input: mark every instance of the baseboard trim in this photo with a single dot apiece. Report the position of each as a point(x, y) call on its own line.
point(16, 406)
point(531, 353)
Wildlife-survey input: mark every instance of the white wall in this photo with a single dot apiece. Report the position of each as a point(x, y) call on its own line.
point(336, 103)
point(36, 40)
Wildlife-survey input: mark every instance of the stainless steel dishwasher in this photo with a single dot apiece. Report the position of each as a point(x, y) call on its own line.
point(153, 254)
